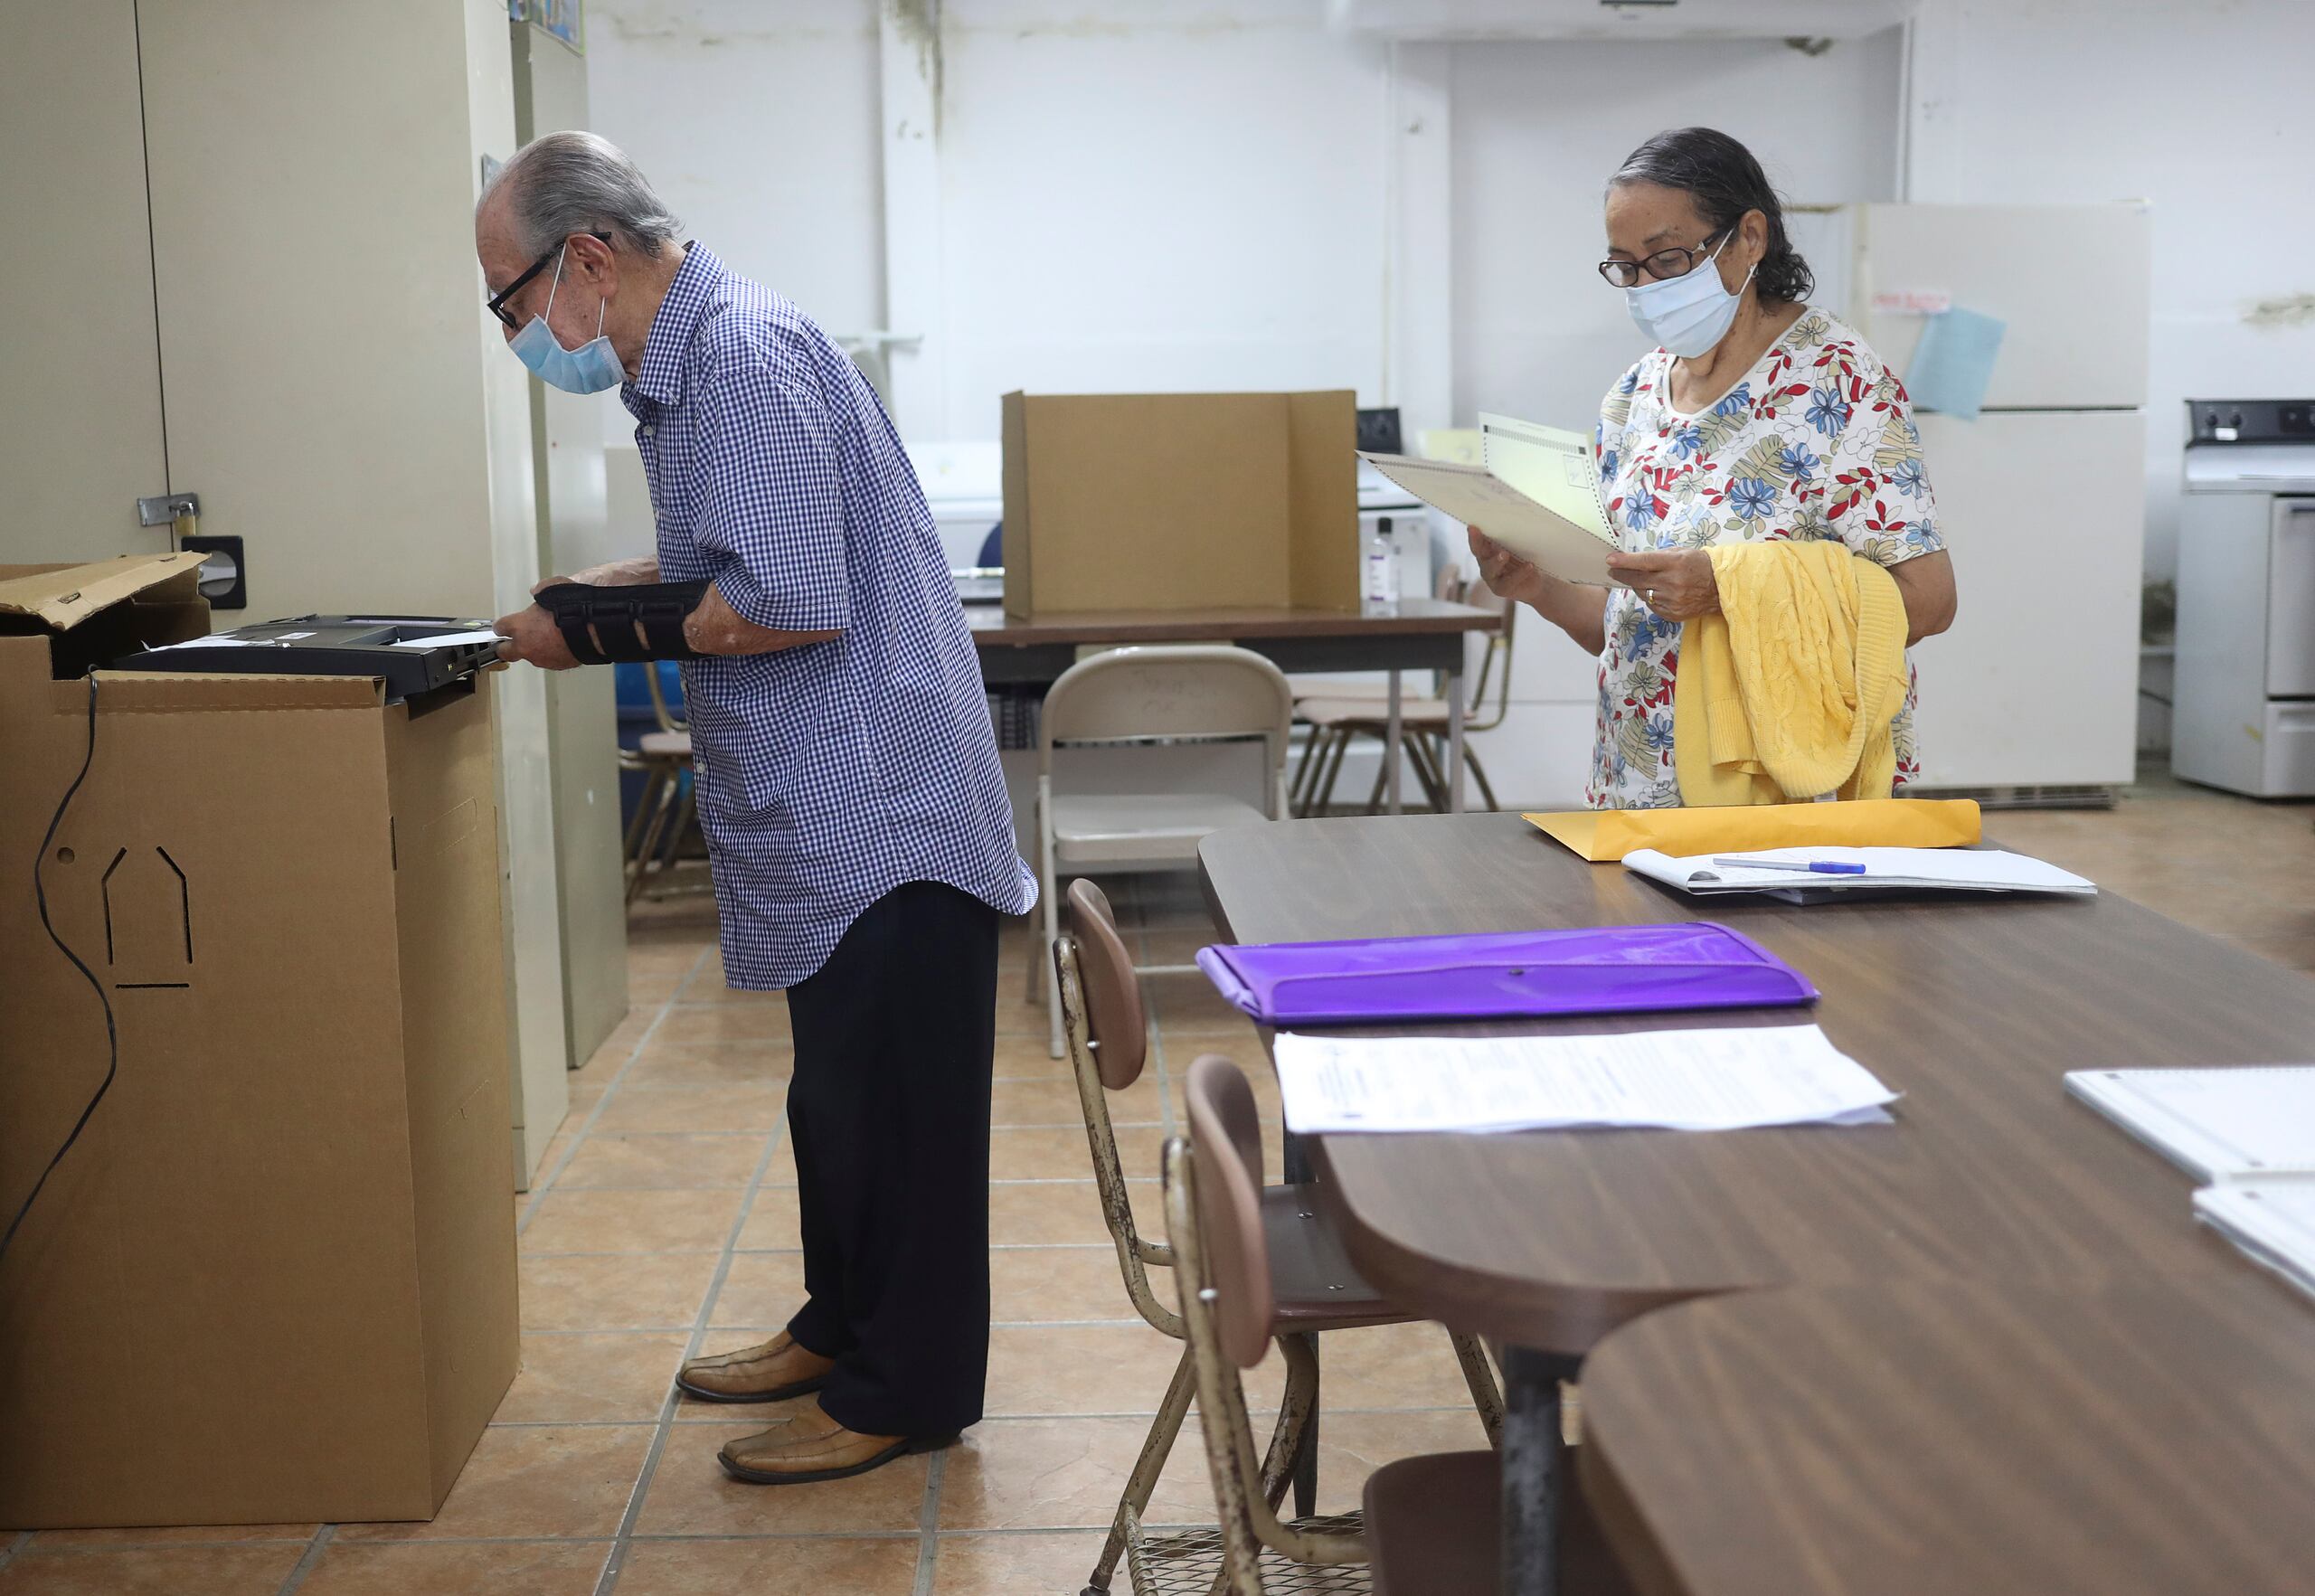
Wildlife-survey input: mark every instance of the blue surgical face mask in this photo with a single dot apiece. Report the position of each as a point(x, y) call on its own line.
point(1688, 314)
point(591, 368)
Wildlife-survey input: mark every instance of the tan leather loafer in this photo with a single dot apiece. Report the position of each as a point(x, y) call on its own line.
point(773, 1372)
point(809, 1446)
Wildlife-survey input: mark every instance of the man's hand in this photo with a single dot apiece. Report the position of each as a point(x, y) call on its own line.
point(1677, 584)
point(530, 634)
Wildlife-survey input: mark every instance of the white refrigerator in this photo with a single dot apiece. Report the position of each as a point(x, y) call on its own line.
point(2042, 498)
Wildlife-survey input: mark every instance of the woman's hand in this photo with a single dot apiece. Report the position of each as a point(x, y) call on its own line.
point(1677, 584)
point(1506, 575)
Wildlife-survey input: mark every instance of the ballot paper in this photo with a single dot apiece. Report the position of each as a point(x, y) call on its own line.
point(1721, 1079)
point(2254, 1122)
point(1537, 494)
point(448, 639)
point(2273, 1222)
point(1953, 870)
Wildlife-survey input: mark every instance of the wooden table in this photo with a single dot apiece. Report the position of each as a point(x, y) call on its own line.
point(1955, 1440)
point(1425, 635)
point(1973, 1010)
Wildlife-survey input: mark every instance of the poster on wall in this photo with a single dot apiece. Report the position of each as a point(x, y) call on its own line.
point(561, 18)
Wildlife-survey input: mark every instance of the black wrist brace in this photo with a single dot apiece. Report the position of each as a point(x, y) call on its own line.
point(643, 620)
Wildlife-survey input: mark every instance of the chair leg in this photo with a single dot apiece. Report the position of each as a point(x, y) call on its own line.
point(672, 847)
point(1053, 931)
point(1143, 1482)
point(1304, 770)
point(1338, 744)
point(651, 833)
point(1306, 1453)
point(644, 800)
point(1478, 1374)
point(1427, 764)
point(1478, 774)
point(1297, 1415)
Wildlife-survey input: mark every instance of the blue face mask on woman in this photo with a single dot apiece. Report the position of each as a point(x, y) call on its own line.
point(591, 368)
point(1690, 313)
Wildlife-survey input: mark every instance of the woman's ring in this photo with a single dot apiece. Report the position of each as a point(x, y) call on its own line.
point(1651, 596)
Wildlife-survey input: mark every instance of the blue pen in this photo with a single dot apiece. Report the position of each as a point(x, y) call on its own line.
point(1815, 866)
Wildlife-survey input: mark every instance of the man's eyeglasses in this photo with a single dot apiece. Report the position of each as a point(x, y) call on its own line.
point(496, 303)
point(1663, 264)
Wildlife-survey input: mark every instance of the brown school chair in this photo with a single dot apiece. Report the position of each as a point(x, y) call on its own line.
point(1310, 1284)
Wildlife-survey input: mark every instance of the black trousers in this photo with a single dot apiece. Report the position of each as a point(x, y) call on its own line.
point(895, 1042)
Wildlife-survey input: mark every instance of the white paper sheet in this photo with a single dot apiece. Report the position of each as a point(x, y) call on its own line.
point(2252, 1123)
point(2272, 1222)
point(480, 635)
point(1965, 869)
point(1722, 1078)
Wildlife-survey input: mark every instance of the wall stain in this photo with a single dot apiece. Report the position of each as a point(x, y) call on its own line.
point(918, 23)
point(2292, 310)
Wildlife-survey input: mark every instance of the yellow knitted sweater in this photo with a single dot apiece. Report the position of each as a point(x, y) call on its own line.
point(1787, 691)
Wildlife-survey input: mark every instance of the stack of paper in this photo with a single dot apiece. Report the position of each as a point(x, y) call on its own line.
point(1706, 1080)
point(2219, 1125)
point(2273, 1221)
point(2250, 1130)
point(1956, 870)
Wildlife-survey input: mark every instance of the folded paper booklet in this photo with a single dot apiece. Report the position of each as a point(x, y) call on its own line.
point(2273, 1222)
point(2254, 1122)
point(1737, 1078)
point(1788, 873)
point(1537, 495)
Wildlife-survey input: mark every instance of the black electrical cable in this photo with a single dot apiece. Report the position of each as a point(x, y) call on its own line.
point(112, 1033)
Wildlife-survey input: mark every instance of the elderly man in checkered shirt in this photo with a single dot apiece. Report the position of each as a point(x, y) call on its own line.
point(857, 826)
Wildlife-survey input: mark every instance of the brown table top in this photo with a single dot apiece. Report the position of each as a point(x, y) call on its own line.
point(1922, 1439)
point(1972, 1009)
point(992, 628)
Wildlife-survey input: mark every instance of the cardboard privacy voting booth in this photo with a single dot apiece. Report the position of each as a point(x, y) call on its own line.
point(1180, 501)
point(274, 1280)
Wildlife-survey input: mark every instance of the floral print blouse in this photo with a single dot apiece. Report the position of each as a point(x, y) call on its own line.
point(1817, 440)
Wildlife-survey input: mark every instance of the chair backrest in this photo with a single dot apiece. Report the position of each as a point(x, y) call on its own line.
point(1221, 1272)
point(1115, 1031)
point(1145, 695)
point(1088, 959)
point(1226, 1131)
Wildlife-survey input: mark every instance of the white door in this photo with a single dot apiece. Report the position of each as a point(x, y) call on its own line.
point(2037, 684)
point(82, 438)
point(2070, 281)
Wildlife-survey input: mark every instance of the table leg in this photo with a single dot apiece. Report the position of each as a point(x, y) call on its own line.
point(1454, 743)
point(1534, 1469)
point(1392, 749)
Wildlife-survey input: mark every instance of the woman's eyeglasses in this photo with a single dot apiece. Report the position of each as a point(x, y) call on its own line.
point(1664, 263)
point(496, 303)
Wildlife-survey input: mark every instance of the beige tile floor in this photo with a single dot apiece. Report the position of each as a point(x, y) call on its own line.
point(666, 1222)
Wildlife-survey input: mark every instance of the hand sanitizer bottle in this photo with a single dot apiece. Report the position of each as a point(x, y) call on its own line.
point(1382, 571)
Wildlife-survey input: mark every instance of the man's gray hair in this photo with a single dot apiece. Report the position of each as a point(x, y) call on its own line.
point(560, 184)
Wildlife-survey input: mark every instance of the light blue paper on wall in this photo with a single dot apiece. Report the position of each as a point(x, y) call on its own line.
point(1953, 362)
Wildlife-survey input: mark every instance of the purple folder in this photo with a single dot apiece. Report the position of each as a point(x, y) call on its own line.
point(1599, 969)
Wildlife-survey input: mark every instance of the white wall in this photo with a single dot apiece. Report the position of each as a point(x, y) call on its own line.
point(2201, 109)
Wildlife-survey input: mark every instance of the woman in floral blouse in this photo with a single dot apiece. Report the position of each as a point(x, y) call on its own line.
point(1757, 417)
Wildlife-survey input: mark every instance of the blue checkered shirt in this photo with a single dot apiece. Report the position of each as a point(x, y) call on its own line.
point(831, 773)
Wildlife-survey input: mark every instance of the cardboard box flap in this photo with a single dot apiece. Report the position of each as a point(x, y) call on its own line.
point(216, 690)
point(60, 597)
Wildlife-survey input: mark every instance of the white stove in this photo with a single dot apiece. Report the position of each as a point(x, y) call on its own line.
point(2244, 718)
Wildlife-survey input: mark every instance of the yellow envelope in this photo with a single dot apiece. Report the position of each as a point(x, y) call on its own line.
point(1604, 835)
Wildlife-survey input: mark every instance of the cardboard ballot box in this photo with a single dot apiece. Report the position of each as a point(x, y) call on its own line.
point(1180, 501)
point(274, 1280)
